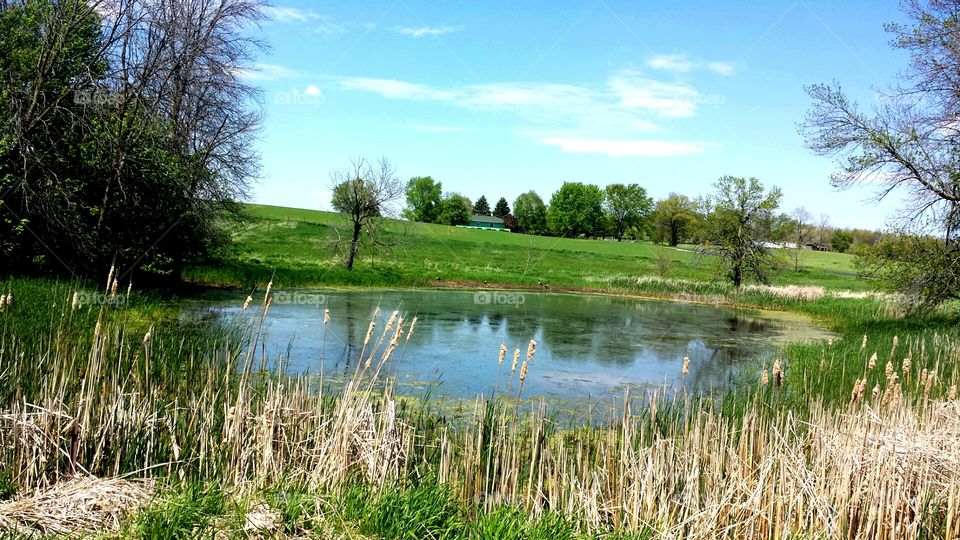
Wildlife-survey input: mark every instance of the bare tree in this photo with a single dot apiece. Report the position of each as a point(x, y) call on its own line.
point(363, 193)
point(823, 230)
point(801, 220)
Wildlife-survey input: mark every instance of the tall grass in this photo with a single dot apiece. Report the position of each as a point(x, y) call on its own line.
point(89, 393)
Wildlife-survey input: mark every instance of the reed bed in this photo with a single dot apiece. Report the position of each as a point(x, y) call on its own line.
point(104, 396)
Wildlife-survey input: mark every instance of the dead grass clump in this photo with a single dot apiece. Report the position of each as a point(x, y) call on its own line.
point(83, 504)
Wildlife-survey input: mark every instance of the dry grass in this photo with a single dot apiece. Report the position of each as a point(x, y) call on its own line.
point(884, 468)
point(78, 504)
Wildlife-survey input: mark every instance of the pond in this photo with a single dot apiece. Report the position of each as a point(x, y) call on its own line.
point(588, 346)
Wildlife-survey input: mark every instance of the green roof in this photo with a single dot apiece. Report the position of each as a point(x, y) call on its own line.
point(485, 219)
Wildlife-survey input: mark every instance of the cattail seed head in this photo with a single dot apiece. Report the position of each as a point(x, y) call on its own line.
point(873, 361)
point(503, 354)
point(863, 345)
point(889, 372)
point(893, 349)
point(876, 392)
point(516, 357)
point(413, 324)
point(764, 378)
point(247, 302)
point(326, 316)
point(931, 378)
point(952, 394)
point(906, 366)
point(523, 371)
point(75, 303)
point(531, 349)
point(146, 337)
point(686, 366)
point(267, 293)
point(777, 372)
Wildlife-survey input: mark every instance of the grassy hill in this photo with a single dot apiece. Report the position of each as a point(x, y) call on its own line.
point(300, 248)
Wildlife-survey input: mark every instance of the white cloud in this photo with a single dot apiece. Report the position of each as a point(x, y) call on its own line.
point(289, 14)
point(682, 64)
point(618, 148)
point(313, 90)
point(395, 89)
point(425, 31)
point(269, 72)
point(577, 118)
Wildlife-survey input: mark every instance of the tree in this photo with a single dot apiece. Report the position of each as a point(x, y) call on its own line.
point(908, 143)
point(455, 209)
point(531, 213)
point(739, 206)
point(576, 209)
point(673, 218)
point(628, 206)
point(423, 199)
point(841, 241)
point(482, 207)
point(502, 208)
point(362, 194)
point(801, 224)
point(823, 230)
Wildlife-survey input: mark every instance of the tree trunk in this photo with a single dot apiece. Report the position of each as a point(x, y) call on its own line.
point(737, 275)
point(353, 246)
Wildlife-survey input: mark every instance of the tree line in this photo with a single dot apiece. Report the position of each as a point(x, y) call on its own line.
point(126, 131)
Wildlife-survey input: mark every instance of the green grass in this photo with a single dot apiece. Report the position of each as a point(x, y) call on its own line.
point(297, 247)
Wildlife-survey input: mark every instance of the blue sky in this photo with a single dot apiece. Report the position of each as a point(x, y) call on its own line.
point(497, 98)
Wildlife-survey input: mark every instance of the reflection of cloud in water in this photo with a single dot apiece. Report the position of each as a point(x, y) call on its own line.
point(587, 345)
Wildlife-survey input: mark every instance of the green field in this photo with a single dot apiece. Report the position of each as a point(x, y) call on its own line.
point(299, 247)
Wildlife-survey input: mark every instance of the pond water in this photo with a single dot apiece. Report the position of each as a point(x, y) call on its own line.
point(588, 346)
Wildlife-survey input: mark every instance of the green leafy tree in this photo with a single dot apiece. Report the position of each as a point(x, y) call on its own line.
point(362, 193)
point(735, 227)
point(628, 206)
point(501, 209)
point(576, 209)
point(423, 199)
point(841, 241)
point(455, 209)
point(907, 144)
point(482, 207)
point(531, 213)
point(673, 219)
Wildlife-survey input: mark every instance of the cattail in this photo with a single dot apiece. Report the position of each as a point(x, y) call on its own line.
point(96, 330)
point(113, 289)
point(896, 342)
point(390, 321)
point(267, 294)
point(829, 342)
point(531, 348)
point(503, 354)
point(110, 278)
point(146, 337)
point(246, 303)
point(858, 389)
point(129, 287)
point(906, 366)
point(890, 373)
point(764, 378)
point(413, 323)
point(953, 392)
point(873, 361)
point(923, 378)
point(931, 377)
point(75, 303)
point(777, 372)
point(876, 392)
point(686, 366)
point(523, 371)
point(326, 316)
point(366, 340)
point(863, 346)
point(516, 357)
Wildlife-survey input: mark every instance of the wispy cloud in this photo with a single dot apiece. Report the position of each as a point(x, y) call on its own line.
point(321, 24)
point(681, 63)
point(618, 148)
point(269, 72)
point(573, 117)
point(421, 31)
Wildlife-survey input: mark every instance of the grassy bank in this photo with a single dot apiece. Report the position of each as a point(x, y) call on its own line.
point(206, 442)
point(299, 248)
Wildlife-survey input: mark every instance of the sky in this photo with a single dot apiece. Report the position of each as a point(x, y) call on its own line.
point(498, 98)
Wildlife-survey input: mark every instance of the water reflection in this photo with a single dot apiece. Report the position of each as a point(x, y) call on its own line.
point(587, 345)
